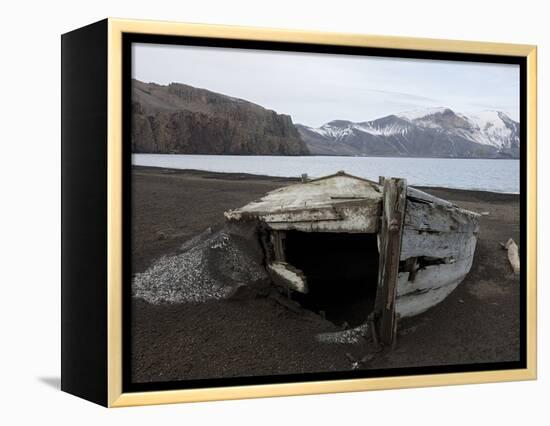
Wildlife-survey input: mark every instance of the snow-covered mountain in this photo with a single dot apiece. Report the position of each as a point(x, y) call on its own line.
point(435, 132)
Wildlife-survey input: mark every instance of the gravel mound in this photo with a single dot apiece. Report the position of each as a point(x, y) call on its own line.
point(208, 267)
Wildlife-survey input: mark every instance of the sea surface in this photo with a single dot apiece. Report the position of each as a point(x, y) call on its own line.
point(473, 174)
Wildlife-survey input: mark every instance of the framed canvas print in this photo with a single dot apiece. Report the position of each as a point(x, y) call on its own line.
point(255, 212)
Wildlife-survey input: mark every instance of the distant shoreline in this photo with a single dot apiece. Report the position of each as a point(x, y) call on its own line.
point(247, 176)
point(338, 155)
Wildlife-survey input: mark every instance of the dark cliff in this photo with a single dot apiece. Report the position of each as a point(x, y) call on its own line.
point(181, 119)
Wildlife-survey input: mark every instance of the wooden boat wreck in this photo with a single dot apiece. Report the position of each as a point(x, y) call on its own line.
point(404, 249)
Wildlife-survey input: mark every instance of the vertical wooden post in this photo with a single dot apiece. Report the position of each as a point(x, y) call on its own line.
point(390, 234)
point(277, 238)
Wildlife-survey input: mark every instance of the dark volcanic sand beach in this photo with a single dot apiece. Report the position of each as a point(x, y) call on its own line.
point(478, 323)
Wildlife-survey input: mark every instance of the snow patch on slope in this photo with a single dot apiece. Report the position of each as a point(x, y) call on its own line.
point(492, 128)
point(338, 133)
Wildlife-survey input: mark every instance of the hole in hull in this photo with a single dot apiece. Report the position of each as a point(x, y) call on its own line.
point(341, 271)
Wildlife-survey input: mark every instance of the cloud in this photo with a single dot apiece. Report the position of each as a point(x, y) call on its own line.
point(317, 88)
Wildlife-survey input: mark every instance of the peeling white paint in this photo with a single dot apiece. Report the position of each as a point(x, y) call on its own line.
point(357, 219)
point(441, 244)
point(337, 203)
point(433, 276)
point(417, 303)
point(290, 277)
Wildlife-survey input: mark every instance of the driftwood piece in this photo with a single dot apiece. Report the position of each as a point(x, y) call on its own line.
point(513, 254)
point(391, 232)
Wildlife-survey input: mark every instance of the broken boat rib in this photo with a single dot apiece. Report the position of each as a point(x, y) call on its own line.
point(425, 250)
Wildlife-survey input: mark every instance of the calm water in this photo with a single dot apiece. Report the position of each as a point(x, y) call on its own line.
point(487, 175)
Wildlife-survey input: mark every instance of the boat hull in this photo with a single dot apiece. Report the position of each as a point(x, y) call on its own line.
point(437, 251)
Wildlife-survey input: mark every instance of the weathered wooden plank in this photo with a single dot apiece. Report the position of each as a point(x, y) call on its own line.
point(440, 218)
point(409, 305)
point(437, 244)
point(393, 214)
point(363, 219)
point(315, 193)
point(421, 196)
point(433, 276)
point(435, 230)
point(287, 276)
point(313, 215)
point(277, 238)
point(336, 211)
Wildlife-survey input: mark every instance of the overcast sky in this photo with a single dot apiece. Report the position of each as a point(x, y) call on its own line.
point(317, 88)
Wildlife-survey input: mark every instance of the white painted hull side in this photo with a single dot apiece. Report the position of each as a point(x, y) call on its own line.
point(439, 232)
